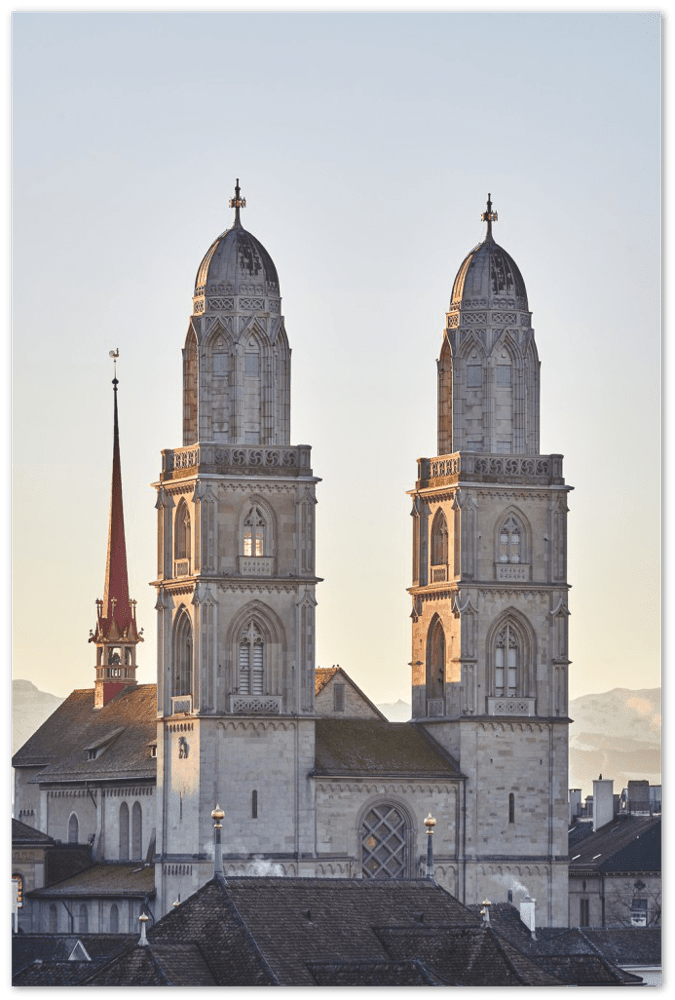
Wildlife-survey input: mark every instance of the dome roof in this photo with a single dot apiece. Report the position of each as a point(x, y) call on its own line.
point(237, 260)
point(489, 276)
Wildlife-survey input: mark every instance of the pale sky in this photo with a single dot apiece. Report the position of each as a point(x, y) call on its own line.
point(365, 145)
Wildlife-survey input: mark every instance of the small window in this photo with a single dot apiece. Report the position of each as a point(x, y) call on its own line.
point(509, 896)
point(503, 376)
point(73, 829)
point(639, 911)
point(254, 533)
point(254, 804)
point(153, 750)
point(338, 697)
point(584, 920)
point(510, 541)
point(512, 808)
point(474, 376)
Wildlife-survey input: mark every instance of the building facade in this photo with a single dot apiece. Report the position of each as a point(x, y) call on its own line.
point(312, 779)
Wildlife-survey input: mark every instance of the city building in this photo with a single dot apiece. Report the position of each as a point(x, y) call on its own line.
point(313, 780)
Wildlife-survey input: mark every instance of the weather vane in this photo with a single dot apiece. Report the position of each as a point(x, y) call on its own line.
point(115, 355)
point(236, 203)
point(489, 216)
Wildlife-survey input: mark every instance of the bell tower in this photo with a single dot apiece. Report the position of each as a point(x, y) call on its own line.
point(235, 584)
point(490, 592)
point(116, 635)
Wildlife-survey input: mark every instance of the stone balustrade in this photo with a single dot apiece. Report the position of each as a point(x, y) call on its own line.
point(178, 463)
point(511, 706)
point(255, 704)
point(478, 467)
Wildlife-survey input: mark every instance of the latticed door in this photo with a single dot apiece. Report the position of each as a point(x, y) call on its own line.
point(384, 843)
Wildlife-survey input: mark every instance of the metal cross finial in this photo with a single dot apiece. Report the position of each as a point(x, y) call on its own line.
point(489, 216)
point(237, 203)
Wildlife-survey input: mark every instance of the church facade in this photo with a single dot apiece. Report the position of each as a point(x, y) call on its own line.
point(313, 780)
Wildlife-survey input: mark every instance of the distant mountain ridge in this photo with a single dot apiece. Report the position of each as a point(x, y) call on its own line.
point(30, 708)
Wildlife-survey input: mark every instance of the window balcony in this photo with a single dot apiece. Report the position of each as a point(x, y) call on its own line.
point(435, 707)
point(516, 572)
point(181, 704)
point(255, 704)
point(511, 706)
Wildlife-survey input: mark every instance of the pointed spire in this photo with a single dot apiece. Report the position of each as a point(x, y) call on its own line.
point(489, 216)
point(237, 203)
point(116, 614)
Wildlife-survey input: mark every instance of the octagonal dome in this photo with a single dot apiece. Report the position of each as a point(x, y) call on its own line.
point(236, 262)
point(489, 277)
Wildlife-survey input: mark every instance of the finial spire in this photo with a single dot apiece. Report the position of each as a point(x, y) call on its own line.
point(489, 216)
point(237, 203)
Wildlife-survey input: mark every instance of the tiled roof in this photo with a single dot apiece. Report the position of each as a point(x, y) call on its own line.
point(27, 948)
point(466, 956)
point(52, 974)
point(624, 845)
point(372, 973)
point(369, 747)
point(28, 835)
point(321, 677)
point(114, 878)
point(627, 945)
point(135, 967)
point(60, 745)
point(64, 860)
point(587, 970)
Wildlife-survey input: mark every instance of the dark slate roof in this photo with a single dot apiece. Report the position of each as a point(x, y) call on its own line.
point(64, 860)
point(577, 833)
point(373, 973)
point(376, 747)
point(113, 878)
point(52, 974)
point(466, 956)
point(50, 948)
point(28, 835)
point(624, 845)
point(628, 945)
point(59, 745)
point(587, 970)
point(134, 967)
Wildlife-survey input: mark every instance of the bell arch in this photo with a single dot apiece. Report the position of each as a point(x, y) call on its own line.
point(255, 641)
point(181, 667)
point(511, 656)
point(257, 527)
point(512, 537)
point(436, 656)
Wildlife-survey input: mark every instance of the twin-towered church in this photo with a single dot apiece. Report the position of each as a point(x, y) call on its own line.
point(311, 777)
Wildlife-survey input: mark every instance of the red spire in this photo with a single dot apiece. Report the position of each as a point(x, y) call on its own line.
point(116, 617)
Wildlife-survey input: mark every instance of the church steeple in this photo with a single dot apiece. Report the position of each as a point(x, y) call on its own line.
point(116, 633)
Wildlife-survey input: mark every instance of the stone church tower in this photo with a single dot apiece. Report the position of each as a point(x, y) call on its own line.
point(489, 636)
point(235, 584)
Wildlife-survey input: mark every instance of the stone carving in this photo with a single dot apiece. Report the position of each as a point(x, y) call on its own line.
point(478, 317)
point(453, 321)
point(251, 303)
point(218, 303)
point(199, 306)
point(503, 317)
point(255, 705)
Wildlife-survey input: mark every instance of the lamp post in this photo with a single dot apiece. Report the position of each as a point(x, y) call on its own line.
point(217, 816)
point(430, 823)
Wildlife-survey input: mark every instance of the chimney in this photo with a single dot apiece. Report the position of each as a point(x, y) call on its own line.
point(527, 914)
point(575, 803)
point(603, 802)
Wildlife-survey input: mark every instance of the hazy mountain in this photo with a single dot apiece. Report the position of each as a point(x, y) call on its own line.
point(616, 733)
point(30, 708)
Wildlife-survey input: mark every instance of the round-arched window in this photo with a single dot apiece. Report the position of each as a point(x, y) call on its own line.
point(384, 843)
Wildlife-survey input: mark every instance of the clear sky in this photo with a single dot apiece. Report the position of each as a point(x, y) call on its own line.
point(366, 145)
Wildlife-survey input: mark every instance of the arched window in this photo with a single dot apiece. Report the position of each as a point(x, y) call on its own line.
point(510, 541)
point(182, 541)
point(507, 654)
point(53, 919)
point(384, 843)
point(436, 660)
point(512, 808)
point(114, 919)
point(136, 832)
point(182, 656)
point(220, 365)
point(83, 919)
point(251, 660)
point(439, 540)
point(190, 366)
point(255, 529)
point(124, 832)
point(73, 829)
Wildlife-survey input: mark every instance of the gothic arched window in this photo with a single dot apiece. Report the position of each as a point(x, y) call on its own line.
point(182, 537)
point(73, 829)
point(251, 660)
point(435, 660)
point(384, 843)
point(190, 369)
point(439, 540)
point(220, 365)
point(114, 923)
point(507, 655)
point(510, 541)
point(136, 832)
point(182, 656)
point(255, 530)
point(124, 832)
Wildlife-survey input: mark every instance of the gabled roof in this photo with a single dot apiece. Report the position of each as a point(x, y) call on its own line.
point(372, 973)
point(28, 835)
point(376, 747)
point(587, 970)
point(128, 723)
point(114, 878)
point(624, 845)
point(57, 948)
point(323, 676)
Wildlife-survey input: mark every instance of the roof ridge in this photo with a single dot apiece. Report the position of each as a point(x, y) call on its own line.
point(222, 884)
